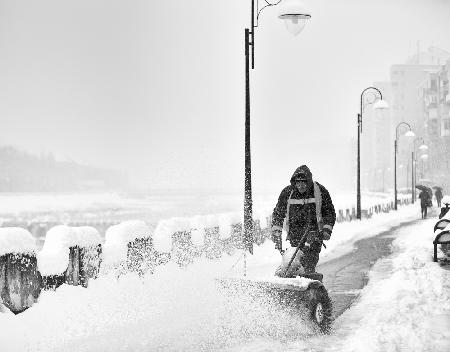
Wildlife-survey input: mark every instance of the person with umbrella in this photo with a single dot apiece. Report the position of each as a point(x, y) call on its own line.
point(438, 195)
point(425, 200)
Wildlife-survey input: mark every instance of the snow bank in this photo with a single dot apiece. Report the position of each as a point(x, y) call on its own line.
point(53, 259)
point(446, 199)
point(16, 240)
point(408, 297)
point(118, 236)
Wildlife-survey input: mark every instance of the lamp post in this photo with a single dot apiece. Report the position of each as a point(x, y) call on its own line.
point(414, 163)
point(409, 133)
point(379, 103)
point(294, 15)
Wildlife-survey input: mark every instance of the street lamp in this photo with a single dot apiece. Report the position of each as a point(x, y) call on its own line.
point(379, 103)
point(413, 165)
point(409, 133)
point(294, 14)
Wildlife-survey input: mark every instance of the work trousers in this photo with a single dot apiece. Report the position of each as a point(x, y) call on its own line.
point(424, 211)
point(311, 254)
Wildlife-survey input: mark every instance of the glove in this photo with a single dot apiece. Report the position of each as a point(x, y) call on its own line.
point(276, 238)
point(326, 234)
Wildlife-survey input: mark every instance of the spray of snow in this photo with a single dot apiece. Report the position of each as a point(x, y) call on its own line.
point(196, 225)
point(173, 309)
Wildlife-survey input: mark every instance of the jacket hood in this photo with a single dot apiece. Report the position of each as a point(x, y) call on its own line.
point(304, 171)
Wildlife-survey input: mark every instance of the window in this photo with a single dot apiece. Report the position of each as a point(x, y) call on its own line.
point(445, 127)
point(446, 124)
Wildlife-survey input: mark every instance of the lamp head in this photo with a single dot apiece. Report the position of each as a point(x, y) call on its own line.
point(423, 147)
point(410, 134)
point(294, 14)
point(381, 105)
point(424, 157)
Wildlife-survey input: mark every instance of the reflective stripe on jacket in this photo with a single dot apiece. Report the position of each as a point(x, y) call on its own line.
point(292, 209)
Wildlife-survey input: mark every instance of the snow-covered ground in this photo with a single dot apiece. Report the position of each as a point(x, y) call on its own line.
point(405, 306)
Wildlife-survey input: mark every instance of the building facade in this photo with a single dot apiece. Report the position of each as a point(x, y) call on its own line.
point(418, 94)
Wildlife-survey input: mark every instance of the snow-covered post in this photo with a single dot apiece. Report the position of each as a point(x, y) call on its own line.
point(212, 248)
point(20, 282)
point(187, 238)
point(129, 247)
point(340, 217)
point(183, 250)
point(85, 257)
point(70, 255)
point(258, 234)
point(176, 237)
point(347, 215)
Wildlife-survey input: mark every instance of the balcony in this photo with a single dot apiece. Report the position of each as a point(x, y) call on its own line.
point(432, 105)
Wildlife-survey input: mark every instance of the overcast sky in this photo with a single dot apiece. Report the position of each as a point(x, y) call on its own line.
point(156, 88)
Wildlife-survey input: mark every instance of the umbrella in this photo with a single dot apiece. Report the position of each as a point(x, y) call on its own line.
point(437, 187)
point(423, 188)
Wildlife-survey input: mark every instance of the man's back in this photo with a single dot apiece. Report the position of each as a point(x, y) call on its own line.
point(424, 197)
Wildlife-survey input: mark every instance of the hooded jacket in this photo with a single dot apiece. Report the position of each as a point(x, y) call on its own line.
point(313, 208)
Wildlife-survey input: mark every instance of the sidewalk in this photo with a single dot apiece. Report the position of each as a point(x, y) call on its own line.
point(344, 277)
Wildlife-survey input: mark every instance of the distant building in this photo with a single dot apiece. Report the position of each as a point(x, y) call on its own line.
point(432, 56)
point(417, 93)
point(436, 117)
